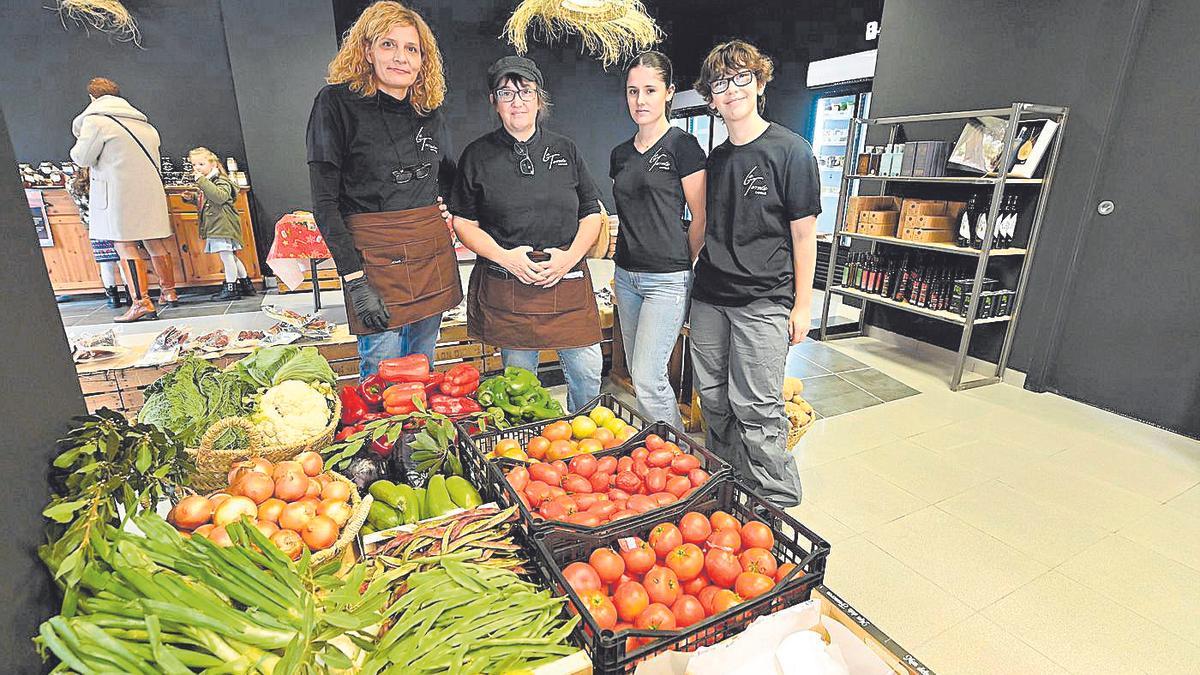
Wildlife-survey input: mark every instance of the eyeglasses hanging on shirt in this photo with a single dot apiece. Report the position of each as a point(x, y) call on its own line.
point(403, 173)
point(521, 150)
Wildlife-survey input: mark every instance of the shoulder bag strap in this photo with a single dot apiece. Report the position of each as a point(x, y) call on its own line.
point(143, 147)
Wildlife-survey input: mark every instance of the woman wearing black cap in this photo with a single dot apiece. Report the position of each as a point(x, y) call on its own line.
point(379, 155)
point(526, 205)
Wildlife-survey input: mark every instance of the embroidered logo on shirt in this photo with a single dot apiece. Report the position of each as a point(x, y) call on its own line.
point(659, 161)
point(425, 143)
point(754, 183)
point(553, 159)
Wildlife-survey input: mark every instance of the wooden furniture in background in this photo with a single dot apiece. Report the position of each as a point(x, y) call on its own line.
point(73, 270)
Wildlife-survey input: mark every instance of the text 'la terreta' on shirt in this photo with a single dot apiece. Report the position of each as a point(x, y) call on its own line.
point(754, 191)
point(525, 194)
point(650, 201)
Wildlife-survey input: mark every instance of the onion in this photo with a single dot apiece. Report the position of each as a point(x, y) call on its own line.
point(290, 542)
point(296, 516)
point(220, 537)
point(336, 510)
point(270, 509)
point(287, 467)
point(192, 512)
point(314, 489)
point(320, 532)
point(266, 527)
point(257, 486)
point(311, 462)
point(291, 486)
point(337, 490)
point(232, 509)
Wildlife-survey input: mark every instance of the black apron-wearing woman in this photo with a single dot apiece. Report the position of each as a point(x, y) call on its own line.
point(379, 156)
point(526, 205)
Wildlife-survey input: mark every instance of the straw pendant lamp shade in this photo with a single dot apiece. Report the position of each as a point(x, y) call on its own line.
point(611, 30)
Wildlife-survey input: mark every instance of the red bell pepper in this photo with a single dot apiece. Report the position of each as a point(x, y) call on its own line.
point(400, 399)
point(452, 406)
point(371, 390)
point(470, 405)
point(461, 380)
point(376, 416)
point(411, 368)
point(353, 406)
point(434, 383)
point(347, 432)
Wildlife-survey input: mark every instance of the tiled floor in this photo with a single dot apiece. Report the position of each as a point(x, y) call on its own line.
point(1002, 531)
point(835, 383)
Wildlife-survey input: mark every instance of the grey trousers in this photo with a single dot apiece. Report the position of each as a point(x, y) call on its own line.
point(739, 355)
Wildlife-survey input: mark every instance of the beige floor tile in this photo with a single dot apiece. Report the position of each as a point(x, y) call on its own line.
point(1188, 502)
point(949, 437)
point(991, 457)
point(1094, 501)
point(921, 471)
point(974, 567)
point(840, 437)
point(1087, 633)
point(826, 526)
point(1036, 432)
point(1169, 531)
point(902, 603)
point(1144, 471)
point(855, 495)
point(1039, 529)
point(909, 416)
point(978, 646)
point(1160, 589)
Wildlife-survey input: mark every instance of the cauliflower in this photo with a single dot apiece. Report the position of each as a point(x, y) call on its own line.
point(291, 412)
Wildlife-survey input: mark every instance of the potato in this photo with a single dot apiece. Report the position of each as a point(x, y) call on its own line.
point(792, 387)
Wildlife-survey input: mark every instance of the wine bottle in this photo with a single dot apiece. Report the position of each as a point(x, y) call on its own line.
point(898, 294)
point(964, 224)
point(981, 219)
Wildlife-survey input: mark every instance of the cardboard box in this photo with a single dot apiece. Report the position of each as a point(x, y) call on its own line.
point(930, 223)
point(878, 218)
point(927, 235)
point(857, 204)
point(932, 207)
point(878, 229)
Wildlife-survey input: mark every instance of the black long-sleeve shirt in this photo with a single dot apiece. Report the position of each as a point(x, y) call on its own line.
point(356, 147)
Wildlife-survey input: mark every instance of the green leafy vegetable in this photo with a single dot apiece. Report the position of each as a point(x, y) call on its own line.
point(268, 366)
point(191, 398)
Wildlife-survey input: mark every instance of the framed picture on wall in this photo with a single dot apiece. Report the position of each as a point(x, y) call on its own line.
point(41, 223)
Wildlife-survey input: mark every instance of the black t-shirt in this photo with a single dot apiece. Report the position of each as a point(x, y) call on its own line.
point(650, 201)
point(541, 210)
point(754, 192)
point(354, 145)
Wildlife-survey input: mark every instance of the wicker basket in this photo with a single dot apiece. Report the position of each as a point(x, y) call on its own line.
point(797, 429)
point(213, 465)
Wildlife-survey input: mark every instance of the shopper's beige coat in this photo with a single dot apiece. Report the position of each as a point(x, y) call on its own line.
point(127, 202)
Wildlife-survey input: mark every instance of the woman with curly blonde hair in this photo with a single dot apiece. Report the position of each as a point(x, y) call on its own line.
point(379, 159)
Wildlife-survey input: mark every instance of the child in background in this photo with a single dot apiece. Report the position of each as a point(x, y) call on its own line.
point(220, 226)
point(103, 250)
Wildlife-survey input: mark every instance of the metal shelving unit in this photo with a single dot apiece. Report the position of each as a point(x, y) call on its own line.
point(1014, 114)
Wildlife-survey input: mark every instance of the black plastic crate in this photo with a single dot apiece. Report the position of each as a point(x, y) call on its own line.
point(794, 543)
point(717, 468)
point(486, 441)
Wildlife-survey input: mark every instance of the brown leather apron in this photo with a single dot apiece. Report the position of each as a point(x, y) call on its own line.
point(503, 311)
point(408, 257)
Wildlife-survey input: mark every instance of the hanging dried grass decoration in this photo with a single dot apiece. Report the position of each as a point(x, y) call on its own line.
point(106, 16)
point(613, 30)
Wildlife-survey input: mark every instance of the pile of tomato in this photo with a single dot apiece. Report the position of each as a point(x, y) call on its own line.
point(597, 431)
point(682, 574)
point(592, 491)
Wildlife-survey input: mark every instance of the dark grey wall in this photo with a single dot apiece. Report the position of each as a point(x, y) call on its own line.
point(954, 55)
point(180, 79)
point(41, 395)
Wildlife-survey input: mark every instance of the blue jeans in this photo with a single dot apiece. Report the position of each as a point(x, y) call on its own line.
point(419, 337)
point(652, 308)
point(581, 366)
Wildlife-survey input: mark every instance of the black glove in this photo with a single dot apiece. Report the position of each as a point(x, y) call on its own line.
point(367, 304)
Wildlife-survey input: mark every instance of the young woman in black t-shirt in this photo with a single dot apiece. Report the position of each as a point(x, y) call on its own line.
point(379, 156)
point(752, 293)
point(656, 174)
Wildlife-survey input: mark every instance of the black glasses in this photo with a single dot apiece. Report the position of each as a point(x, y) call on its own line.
point(406, 173)
point(521, 150)
point(740, 79)
point(507, 95)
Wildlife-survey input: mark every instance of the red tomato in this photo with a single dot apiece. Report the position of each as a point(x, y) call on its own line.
point(639, 558)
point(608, 565)
point(617, 493)
point(686, 561)
point(606, 465)
point(756, 534)
point(705, 597)
point(537, 492)
point(722, 567)
point(672, 448)
point(567, 502)
point(560, 466)
point(678, 485)
point(723, 521)
point(641, 468)
point(723, 599)
point(662, 585)
point(664, 538)
point(657, 616)
point(783, 571)
point(689, 493)
point(556, 491)
point(630, 600)
point(586, 500)
point(600, 481)
point(639, 453)
point(654, 442)
point(576, 484)
point(622, 513)
point(659, 458)
point(604, 510)
point(698, 477)
point(624, 464)
point(663, 498)
point(729, 540)
point(694, 527)
point(603, 612)
point(552, 510)
point(758, 560)
point(642, 503)
point(582, 577)
point(752, 584)
point(584, 518)
point(545, 473)
point(583, 465)
point(694, 586)
point(687, 610)
point(518, 478)
point(656, 480)
point(683, 464)
point(628, 481)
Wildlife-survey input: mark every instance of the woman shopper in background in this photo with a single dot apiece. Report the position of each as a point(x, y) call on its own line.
point(656, 174)
point(127, 202)
point(379, 156)
point(526, 204)
point(752, 293)
point(220, 226)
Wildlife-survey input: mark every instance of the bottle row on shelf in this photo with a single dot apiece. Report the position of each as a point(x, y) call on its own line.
point(925, 282)
point(973, 223)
